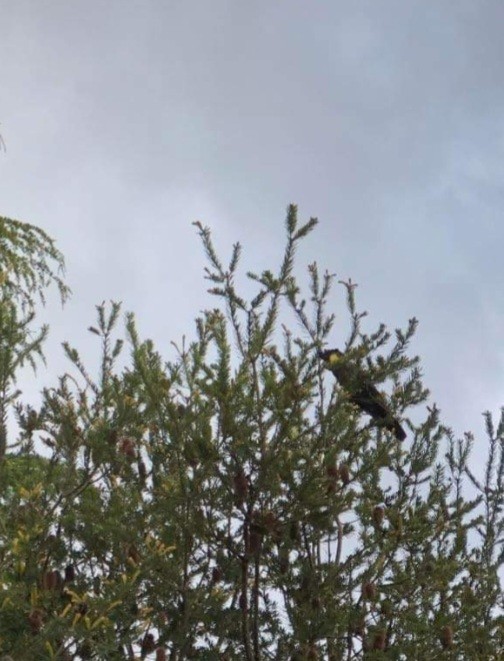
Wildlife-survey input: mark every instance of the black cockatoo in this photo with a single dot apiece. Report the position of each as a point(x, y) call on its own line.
point(361, 391)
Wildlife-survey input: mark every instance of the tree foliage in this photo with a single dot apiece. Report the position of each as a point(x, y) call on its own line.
point(233, 504)
point(29, 263)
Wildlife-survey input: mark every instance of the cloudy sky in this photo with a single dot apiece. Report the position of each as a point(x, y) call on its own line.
point(125, 121)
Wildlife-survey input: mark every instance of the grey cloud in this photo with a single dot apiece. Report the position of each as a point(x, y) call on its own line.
point(125, 121)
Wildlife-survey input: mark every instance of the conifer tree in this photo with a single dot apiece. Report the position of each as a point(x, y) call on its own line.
point(29, 263)
point(234, 503)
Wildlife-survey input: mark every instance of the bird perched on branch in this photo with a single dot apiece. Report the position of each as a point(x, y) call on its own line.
point(361, 391)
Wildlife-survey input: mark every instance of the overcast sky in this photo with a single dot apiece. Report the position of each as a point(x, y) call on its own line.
point(125, 121)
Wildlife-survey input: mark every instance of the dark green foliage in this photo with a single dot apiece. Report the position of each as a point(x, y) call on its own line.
point(231, 505)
